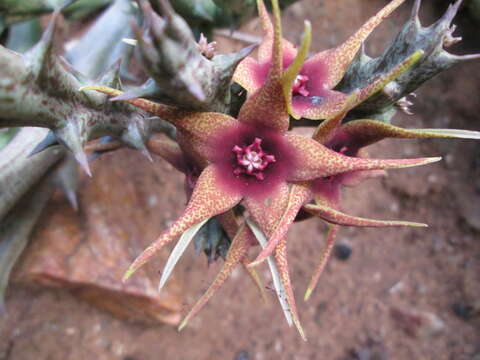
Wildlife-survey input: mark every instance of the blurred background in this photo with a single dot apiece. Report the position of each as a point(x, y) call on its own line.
point(389, 293)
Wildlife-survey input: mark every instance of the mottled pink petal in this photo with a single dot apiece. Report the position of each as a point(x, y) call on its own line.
point(318, 161)
point(326, 130)
point(366, 132)
point(238, 250)
point(329, 244)
point(338, 59)
point(250, 74)
point(265, 48)
point(267, 106)
point(267, 212)
point(334, 216)
point(230, 225)
point(196, 128)
point(208, 199)
point(282, 263)
point(322, 103)
point(299, 195)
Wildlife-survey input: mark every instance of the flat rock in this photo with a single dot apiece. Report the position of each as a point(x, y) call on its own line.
point(87, 252)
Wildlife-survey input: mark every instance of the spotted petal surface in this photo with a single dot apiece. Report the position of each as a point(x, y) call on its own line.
point(238, 250)
point(319, 161)
point(208, 199)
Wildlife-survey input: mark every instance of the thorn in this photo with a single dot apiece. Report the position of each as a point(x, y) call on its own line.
point(196, 90)
point(41, 52)
point(80, 77)
point(416, 10)
point(147, 154)
point(447, 18)
point(81, 158)
point(72, 198)
point(66, 178)
point(136, 136)
point(49, 140)
point(466, 57)
point(70, 136)
point(229, 62)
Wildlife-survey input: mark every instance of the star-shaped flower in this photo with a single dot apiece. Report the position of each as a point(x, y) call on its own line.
point(348, 139)
point(254, 160)
point(309, 84)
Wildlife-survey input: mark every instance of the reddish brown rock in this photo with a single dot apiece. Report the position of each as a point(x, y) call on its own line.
point(121, 212)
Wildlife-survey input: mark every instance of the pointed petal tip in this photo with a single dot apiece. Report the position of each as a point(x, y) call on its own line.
point(127, 274)
point(307, 295)
point(409, 223)
point(182, 325)
point(432, 159)
point(301, 332)
point(419, 162)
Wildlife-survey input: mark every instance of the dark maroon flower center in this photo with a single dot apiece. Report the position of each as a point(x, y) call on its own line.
point(251, 159)
point(300, 85)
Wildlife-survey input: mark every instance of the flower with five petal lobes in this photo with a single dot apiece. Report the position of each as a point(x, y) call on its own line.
point(348, 139)
point(252, 159)
point(309, 84)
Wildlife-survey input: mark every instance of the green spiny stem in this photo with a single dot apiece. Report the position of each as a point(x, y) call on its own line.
point(180, 74)
point(41, 89)
point(413, 37)
point(19, 173)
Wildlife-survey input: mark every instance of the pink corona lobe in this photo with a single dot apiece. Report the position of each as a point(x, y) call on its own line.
point(300, 85)
point(252, 160)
